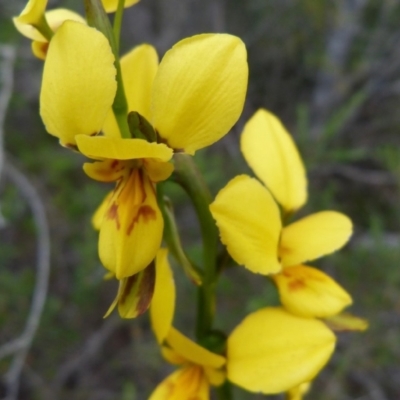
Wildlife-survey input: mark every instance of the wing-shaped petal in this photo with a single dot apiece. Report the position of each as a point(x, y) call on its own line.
point(163, 303)
point(308, 292)
point(121, 149)
point(78, 85)
point(157, 171)
point(249, 223)
point(139, 67)
point(272, 351)
point(111, 5)
point(314, 236)
point(216, 377)
point(193, 352)
point(107, 170)
point(199, 90)
point(271, 153)
point(132, 227)
point(189, 382)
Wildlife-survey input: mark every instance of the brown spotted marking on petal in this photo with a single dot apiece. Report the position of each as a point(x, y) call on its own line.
point(130, 281)
point(299, 277)
point(148, 214)
point(70, 146)
point(44, 47)
point(112, 213)
point(114, 164)
point(146, 289)
point(296, 284)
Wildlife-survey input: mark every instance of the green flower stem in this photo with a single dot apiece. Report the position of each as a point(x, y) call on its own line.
point(118, 22)
point(44, 28)
point(224, 392)
point(98, 18)
point(190, 178)
point(172, 238)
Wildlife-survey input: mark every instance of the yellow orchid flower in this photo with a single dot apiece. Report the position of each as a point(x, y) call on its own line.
point(251, 227)
point(189, 104)
point(192, 104)
point(131, 226)
point(199, 368)
point(272, 351)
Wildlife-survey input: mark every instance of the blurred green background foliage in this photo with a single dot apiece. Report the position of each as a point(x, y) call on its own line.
point(331, 71)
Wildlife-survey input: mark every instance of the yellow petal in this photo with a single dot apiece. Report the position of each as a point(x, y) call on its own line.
point(216, 377)
point(132, 227)
point(121, 149)
point(199, 90)
point(249, 223)
point(314, 236)
point(78, 84)
point(163, 304)
point(346, 322)
point(32, 13)
point(98, 215)
point(186, 383)
point(107, 170)
point(299, 391)
point(111, 5)
point(139, 67)
point(308, 292)
point(272, 351)
point(158, 171)
point(39, 49)
point(193, 352)
point(136, 293)
point(271, 153)
point(172, 356)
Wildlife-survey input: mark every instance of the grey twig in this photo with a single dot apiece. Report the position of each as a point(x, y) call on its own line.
point(20, 346)
point(7, 59)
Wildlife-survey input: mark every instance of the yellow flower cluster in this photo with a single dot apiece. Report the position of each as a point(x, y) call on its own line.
point(188, 101)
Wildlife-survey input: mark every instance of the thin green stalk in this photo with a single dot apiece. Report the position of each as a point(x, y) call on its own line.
point(44, 28)
point(118, 22)
point(171, 236)
point(224, 392)
point(190, 178)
